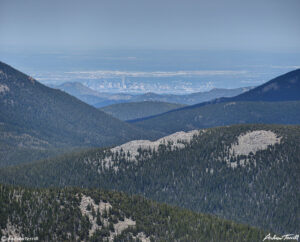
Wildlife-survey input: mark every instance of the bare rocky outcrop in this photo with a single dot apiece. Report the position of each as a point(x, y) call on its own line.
point(3, 88)
point(176, 140)
point(132, 151)
point(254, 141)
point(87, 205)
point(229, 104)
point(141, 236)
point(88, 201)
point(11, 232)
point(251, 142)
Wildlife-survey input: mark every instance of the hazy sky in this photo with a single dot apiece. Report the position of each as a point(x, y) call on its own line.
point(271, 25)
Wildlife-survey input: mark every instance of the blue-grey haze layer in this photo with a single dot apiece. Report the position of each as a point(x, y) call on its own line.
point(160, 71)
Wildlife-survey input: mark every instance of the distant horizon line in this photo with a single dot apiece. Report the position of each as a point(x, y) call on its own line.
point(146, 92)
point(59, 50)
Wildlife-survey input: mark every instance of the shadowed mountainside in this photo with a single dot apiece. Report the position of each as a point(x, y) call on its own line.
point(35, 119)
point(134, 110)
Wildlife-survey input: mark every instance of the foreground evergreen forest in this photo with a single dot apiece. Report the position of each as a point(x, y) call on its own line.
point(73, 214)
point(203, 176)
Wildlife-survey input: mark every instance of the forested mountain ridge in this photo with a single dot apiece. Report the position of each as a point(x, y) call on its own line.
point(282, 88)
point(75, 214)
point(134, 110)
point(221, 114)
point(245, 173)
point(285, 87)
point(35, 119)
point(275, 102)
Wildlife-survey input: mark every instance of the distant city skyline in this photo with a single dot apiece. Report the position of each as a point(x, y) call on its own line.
point(167, 46)
point(140, 71)
point(257, 25)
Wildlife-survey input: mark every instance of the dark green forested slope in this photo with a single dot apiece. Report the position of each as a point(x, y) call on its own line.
point(285, 87)
point(36, 119)
point(75, 215)
point(134, 110)
point(263, 192)
point(220, 114)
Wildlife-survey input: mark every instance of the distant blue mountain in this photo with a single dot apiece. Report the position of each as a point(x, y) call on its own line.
point(99, 100)
point(277, 101)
